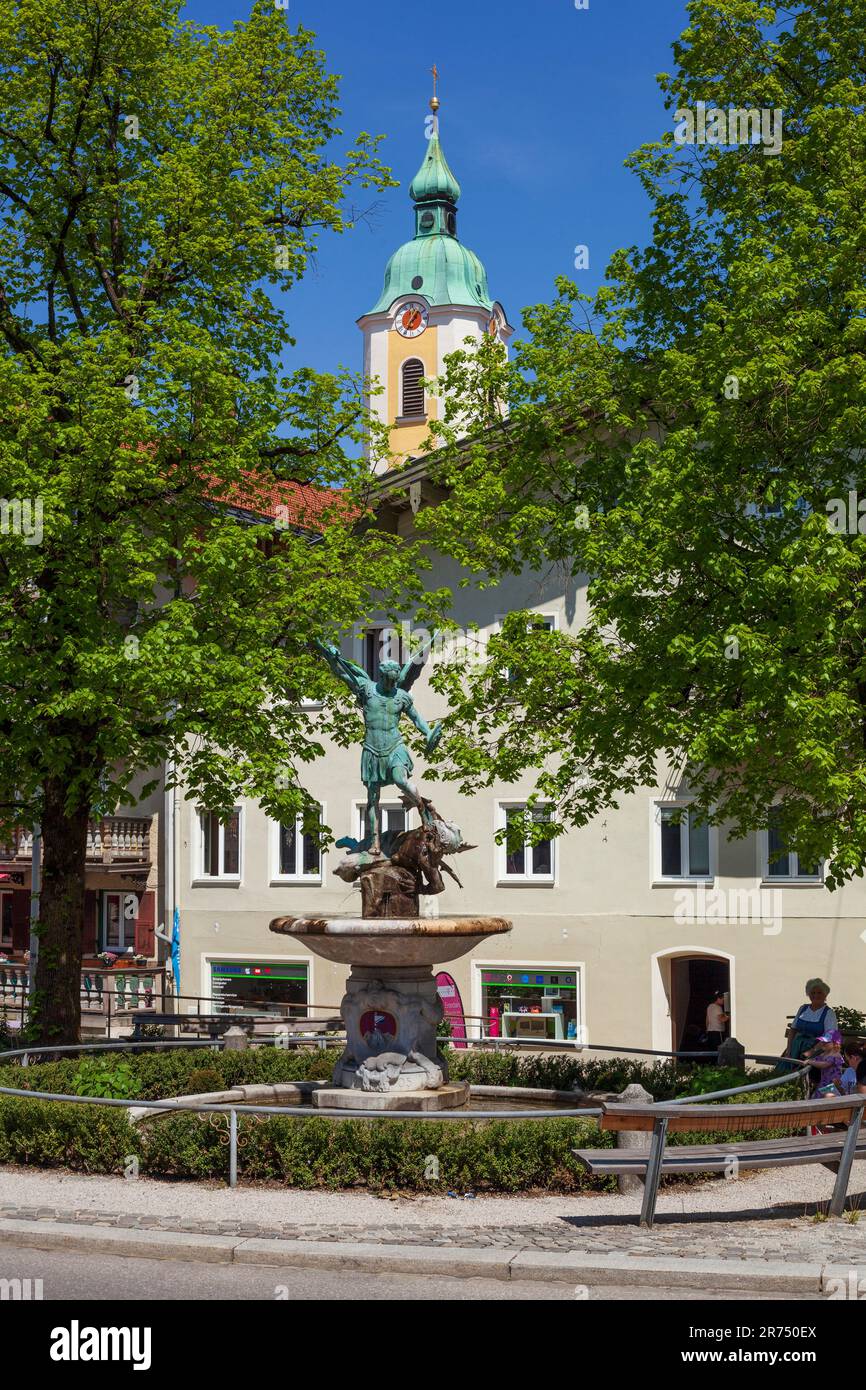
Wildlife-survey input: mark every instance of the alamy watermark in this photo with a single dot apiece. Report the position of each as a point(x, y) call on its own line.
point(853, 1288)
point(735, 906)
point(22, 516)
point(410, 645)
point(846, 516)
point(20, 1290)
point(737, 125)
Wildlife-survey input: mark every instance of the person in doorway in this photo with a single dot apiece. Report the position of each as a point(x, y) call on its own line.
point(811, 1021)
point(717, 1020)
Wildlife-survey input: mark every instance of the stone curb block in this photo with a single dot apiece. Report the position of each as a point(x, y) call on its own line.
point(378, 1259)
point(109, 1240)
point(673, 1271)
point(849, 1275)
point(506, 1264)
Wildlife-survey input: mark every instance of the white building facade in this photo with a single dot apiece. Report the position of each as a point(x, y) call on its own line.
point(624, 929)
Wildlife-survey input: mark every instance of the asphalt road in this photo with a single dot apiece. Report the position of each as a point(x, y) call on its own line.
point(76, 1277)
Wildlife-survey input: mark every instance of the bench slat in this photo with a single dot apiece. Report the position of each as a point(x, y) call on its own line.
point(710, 1158)
point(777, 1115)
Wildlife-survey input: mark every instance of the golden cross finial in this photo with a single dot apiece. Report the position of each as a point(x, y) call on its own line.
point(434, 100)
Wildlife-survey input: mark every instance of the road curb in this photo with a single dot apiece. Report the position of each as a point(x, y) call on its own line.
point(506, 1263)
point(111, 1240)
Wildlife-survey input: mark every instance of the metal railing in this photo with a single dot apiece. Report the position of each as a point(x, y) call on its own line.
point(305, 1112)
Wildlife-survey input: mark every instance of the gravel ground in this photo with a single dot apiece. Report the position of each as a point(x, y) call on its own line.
point(790, 1192)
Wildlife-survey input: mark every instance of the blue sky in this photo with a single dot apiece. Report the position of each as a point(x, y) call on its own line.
point(541, 104)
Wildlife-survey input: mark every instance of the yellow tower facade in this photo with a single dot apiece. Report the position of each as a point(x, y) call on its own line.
point(435, 296)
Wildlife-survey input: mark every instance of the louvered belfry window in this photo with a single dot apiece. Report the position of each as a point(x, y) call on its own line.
point(413, 389)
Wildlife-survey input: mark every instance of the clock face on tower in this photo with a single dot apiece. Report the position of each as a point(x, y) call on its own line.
point(412, 319)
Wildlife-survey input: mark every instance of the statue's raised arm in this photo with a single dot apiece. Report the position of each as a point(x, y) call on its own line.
point(355, 677)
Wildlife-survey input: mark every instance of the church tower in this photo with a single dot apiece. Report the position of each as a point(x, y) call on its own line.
point(435, 296)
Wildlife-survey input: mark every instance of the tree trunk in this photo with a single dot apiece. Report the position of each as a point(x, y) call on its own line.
point(55, 1014)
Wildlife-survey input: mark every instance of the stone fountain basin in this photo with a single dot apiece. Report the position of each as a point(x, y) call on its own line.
point(392, 941)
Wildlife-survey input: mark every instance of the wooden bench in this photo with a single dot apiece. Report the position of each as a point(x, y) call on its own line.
point(836, 1151)
point(213, 1024)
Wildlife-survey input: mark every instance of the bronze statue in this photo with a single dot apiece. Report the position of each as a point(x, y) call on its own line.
point(396, 869)
point(385, 761)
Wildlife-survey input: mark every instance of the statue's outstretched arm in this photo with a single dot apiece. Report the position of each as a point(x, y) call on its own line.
point(347, 671)
point(432, 735)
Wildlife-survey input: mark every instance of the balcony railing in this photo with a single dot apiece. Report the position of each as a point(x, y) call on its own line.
point(106, 994)
point(124, 838)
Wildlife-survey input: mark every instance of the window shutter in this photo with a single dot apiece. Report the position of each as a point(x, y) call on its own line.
point(21, 919)
point(144, 924)
point(413, 390)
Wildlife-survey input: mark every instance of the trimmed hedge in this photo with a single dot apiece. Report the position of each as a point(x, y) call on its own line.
point(49, 1134)
point(168, 1073)
point(163, 1074)
point(380, 1155)
point(561, 1072)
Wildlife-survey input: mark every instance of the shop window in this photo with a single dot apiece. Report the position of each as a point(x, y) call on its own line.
point(519, 1001)
point(220, 845)
point(260, 986)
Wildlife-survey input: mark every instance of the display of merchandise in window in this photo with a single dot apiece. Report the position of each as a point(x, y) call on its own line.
point(522, 1003)
point(255, 986)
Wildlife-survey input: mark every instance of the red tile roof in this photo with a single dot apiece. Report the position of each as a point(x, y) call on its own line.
point(291, 503)
point(263, 496)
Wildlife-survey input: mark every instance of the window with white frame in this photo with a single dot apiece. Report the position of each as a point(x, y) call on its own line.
point(117, 921)
point(521, 861)
point(297, 852)
point(781, 862)
point(274, 987)
point(395, 818)
point(682, 844)
point(220, 845)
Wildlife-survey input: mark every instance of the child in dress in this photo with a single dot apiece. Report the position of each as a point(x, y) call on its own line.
point(827, 1057)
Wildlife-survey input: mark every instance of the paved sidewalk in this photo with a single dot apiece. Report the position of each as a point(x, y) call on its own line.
point(754, 1219)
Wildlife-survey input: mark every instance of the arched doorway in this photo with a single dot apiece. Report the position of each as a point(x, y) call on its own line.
point(684, 981)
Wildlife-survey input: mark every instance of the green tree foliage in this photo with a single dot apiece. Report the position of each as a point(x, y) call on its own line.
point(675, 446)
point(158, 181)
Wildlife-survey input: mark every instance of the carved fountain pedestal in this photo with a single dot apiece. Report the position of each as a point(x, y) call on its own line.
point(391, 1008)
